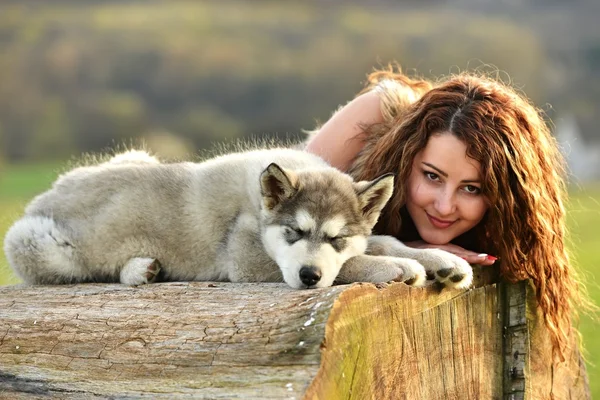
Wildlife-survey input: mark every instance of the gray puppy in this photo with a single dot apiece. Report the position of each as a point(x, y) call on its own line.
point(262, 215)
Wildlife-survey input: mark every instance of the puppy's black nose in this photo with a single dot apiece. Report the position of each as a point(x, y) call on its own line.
point(310, 275)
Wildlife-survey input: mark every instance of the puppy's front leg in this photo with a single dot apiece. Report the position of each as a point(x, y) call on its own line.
point(368, 268)
point(446, 267)
point(244, 258)
point(139, 270)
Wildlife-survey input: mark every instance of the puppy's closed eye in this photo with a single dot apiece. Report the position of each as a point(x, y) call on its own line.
point(338, 243)
point(292, 235)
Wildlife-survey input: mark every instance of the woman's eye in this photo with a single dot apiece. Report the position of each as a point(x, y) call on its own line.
point(472, 189)
point(432, 176)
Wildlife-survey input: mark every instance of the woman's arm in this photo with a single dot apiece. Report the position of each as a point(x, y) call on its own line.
point(337, 142)
point(471, 257)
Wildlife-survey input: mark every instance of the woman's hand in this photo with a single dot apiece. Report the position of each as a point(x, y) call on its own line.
point(470, 256)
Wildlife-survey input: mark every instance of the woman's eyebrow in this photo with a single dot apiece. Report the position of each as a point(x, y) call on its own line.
point(445, 175)
point(439, 171)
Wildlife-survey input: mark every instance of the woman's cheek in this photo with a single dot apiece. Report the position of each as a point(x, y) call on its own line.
point(417, 189)
point(476, 208)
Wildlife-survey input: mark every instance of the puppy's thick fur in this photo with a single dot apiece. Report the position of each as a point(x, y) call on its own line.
point(263, 215)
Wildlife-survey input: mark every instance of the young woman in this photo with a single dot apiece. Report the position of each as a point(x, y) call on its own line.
point(477, 174)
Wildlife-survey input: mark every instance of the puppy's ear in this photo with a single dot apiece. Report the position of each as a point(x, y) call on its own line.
point(277, 184)
point(374, 195)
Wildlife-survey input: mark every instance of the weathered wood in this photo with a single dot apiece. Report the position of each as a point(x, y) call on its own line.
point(546, 378)
point(162, 340)
point(413, 344)
point(516, 340)
point(259, 341)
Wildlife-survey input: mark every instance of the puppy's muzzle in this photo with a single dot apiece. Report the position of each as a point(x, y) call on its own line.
point(310, 275)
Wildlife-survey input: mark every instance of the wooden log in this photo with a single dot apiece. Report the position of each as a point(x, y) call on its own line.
point(267, 341)
point(543, 377)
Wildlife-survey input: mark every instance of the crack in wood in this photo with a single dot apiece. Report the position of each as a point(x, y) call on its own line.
point(4, 336)
point(452, 342)
point(214, 354)
point(515, 340)
point(358, 353)
point(440, 330)
point(195, 338)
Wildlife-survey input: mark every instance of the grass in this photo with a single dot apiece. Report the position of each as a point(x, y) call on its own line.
point(18, 184)
point(584, 224)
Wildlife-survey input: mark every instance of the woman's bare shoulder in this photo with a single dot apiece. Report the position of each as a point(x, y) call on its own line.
point(338, 140)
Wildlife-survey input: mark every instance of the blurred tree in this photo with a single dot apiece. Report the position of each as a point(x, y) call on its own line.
point(108, 118)
point(51, 133)
point(81, 76)
point(167, 145)
point(205, 124)
point(2, 146)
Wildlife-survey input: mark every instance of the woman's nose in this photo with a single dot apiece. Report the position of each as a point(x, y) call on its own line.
point(445, 203)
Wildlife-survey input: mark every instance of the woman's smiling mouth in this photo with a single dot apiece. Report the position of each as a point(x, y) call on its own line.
point(439, 223)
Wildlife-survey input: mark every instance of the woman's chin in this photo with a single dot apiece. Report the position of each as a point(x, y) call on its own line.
point(436, 238)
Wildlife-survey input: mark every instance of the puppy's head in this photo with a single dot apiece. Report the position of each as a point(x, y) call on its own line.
point(314, 220)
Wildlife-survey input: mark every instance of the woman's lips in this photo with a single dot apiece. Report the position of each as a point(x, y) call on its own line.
point(439, 223)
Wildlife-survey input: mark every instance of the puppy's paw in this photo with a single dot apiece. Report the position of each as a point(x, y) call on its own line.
point(447, 268)
point(380, 269)
point(139, 271)
point(398, 269)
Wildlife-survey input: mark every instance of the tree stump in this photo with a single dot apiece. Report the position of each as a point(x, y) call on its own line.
point(267, 341)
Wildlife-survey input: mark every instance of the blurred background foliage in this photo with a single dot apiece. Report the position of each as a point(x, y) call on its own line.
point(88, 75)
point(80, 76)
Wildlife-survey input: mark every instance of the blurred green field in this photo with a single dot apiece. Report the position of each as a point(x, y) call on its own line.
point(584, 224)
point(18, 184)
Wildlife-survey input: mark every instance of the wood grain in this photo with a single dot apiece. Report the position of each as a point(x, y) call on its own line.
point(406, 343)
point(266, 341)
point(163, 340)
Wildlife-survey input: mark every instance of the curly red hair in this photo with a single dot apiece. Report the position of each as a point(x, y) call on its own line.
point(523, 179)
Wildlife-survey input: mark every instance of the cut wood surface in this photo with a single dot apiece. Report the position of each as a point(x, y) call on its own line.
point(259, 341)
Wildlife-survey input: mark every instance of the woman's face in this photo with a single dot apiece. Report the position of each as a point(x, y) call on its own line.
point(444, 190)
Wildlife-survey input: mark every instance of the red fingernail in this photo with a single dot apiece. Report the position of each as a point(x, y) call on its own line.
point(492, 258)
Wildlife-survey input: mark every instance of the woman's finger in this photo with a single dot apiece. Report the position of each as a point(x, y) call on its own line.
point(470, 256)
point(481, 259)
